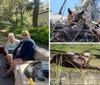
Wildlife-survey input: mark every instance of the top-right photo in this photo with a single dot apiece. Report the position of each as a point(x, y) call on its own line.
point(74, 20)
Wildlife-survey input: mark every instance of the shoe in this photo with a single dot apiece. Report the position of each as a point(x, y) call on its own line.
point(6, 75)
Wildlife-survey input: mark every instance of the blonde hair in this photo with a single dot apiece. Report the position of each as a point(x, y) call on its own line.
point(25, 32)
point(11, 34)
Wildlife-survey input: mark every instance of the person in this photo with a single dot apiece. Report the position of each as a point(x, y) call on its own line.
point(11, 44)
point(23, 52)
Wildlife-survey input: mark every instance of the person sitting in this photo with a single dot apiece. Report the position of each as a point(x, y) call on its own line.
point(23, 52)
point(11, 44)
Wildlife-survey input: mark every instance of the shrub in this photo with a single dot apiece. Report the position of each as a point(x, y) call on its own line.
point(39, 34)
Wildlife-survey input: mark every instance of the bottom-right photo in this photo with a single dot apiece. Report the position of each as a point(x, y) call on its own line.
point(74, 64)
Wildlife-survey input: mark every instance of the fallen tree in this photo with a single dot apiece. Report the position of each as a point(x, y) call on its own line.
point(80, 61)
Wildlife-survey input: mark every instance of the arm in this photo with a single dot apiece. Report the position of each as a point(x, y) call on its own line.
point(6, 47)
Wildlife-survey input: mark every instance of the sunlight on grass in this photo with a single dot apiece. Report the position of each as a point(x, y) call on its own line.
point(95, 62)
point(76, 47)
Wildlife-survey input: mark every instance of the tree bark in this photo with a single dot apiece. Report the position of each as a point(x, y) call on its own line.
point(35, 13)
point(16, 17)
point(21, 13)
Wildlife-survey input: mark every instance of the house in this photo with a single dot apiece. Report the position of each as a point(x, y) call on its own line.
point(43, 16)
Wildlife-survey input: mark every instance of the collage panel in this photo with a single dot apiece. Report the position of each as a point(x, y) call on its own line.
point(24, 42)
point(49, 46)
point(75, 21)
point(74, 64)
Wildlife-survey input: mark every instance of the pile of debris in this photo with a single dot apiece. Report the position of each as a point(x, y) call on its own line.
point(61, 31)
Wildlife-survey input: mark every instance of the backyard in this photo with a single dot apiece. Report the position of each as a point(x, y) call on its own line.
point(19, 15)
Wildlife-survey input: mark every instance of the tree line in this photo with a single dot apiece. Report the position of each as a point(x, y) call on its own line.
point(13, 11)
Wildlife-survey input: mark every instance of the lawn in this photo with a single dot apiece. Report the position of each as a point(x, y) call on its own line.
point(76, 47)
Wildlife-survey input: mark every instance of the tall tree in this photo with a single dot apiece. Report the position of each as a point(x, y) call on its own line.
point(35, 13)
point(21, 6)
point(6, 7)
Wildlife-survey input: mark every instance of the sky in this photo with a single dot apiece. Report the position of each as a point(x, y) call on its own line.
point(56, 4)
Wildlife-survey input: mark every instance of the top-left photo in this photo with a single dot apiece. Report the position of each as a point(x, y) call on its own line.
point(24, 42)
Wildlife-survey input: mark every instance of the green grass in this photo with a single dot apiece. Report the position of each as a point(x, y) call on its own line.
point(95, 62)
point(76, 47)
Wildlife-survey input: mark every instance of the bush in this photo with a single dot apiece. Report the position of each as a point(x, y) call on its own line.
point(39, 34)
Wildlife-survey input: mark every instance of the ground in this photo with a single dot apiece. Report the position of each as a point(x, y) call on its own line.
point(10, 80)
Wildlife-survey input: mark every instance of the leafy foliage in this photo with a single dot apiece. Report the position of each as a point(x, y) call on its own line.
point(16, 15)
point(39, 34)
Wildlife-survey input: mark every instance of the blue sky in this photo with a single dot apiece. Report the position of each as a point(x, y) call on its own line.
point(56, 4)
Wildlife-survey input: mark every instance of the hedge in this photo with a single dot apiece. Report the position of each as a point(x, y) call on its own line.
point(39, 34)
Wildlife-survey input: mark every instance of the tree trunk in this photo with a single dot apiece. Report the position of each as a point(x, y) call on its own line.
point(35, 13)
point(21, 13)
point(16, 17)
